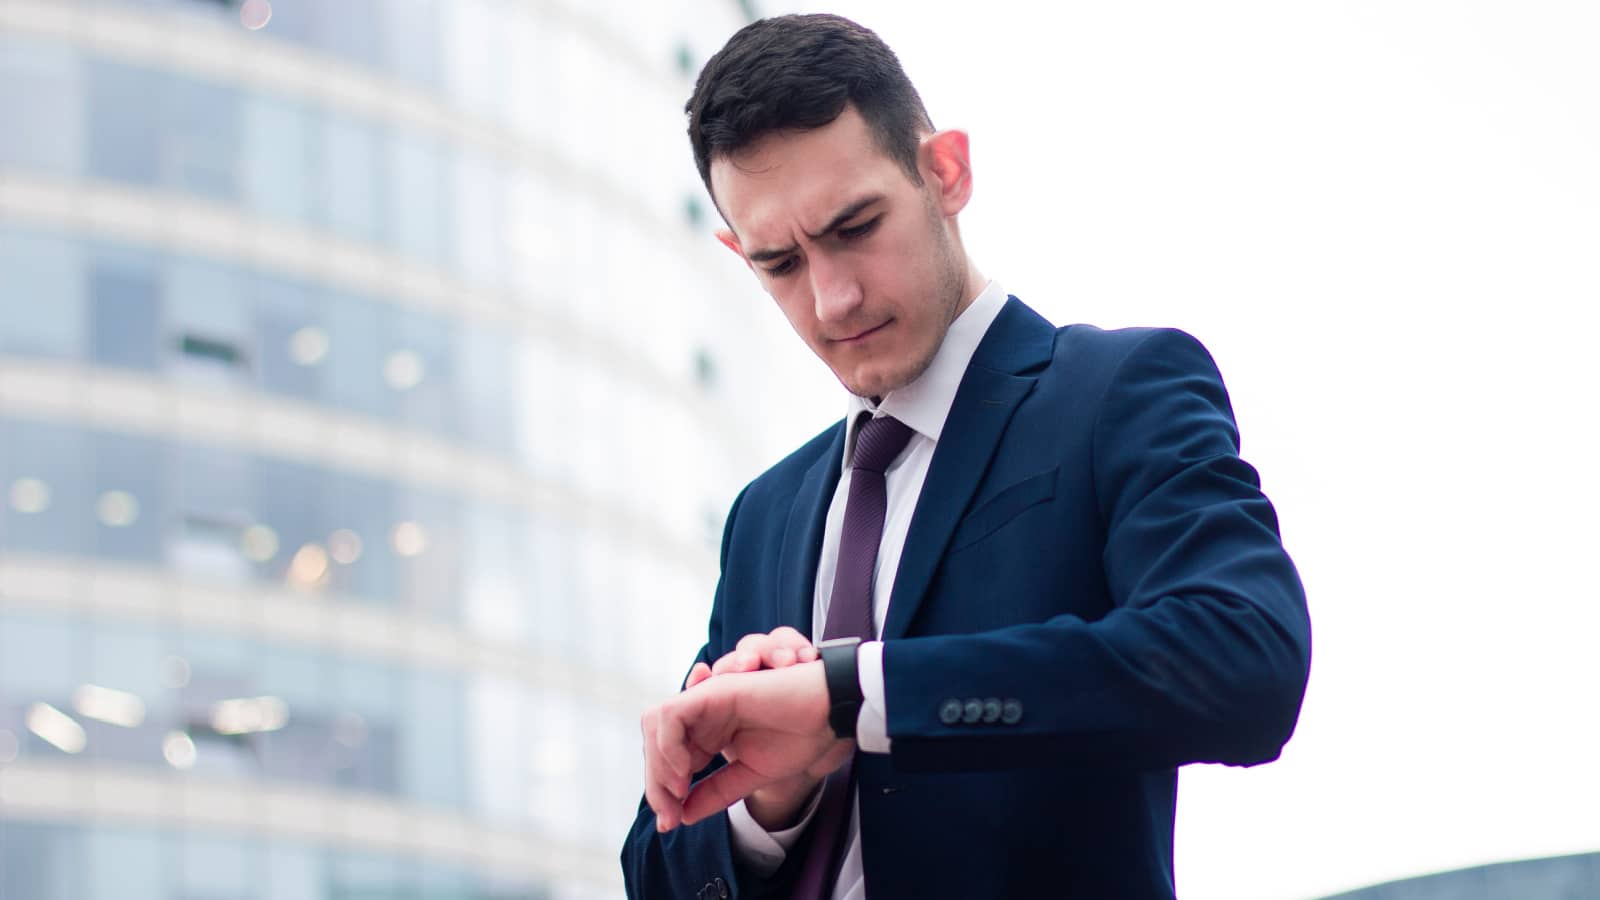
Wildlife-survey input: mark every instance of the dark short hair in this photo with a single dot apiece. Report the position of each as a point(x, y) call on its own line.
point(799, 72)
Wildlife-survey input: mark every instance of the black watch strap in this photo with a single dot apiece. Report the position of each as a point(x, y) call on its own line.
point(844, 684)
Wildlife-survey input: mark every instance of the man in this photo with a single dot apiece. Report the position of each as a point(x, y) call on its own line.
point(1054, 579)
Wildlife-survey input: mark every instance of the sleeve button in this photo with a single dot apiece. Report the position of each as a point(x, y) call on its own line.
point(972, 711)
point(1011, 712)
point(950, 711)
point(991, 711)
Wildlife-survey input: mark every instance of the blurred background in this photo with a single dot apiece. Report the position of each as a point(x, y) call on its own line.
point(372, 393)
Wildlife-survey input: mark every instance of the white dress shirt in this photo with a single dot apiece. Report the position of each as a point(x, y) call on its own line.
point(924, 405)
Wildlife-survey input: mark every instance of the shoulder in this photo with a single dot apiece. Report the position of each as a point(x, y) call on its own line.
point(1111, 349)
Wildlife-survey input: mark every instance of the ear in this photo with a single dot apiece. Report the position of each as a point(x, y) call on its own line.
point(730, 240)
point(946, 161)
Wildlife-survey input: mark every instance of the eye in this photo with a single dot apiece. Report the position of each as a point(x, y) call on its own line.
point(856, 232)
point(782, 268)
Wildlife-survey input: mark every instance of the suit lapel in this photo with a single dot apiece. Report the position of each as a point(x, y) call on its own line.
point(802, 538)
point(1019, 341)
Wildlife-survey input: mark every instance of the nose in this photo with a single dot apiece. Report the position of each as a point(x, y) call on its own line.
point(834, 288)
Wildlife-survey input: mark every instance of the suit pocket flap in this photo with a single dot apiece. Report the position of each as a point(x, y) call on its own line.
point(1003, 507)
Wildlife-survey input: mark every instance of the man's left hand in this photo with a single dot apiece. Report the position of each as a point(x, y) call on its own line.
point(774, 720)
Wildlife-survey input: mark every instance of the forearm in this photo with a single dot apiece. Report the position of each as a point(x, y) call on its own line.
point(1188, 679)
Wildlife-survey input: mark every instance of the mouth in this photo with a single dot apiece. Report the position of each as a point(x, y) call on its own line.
point(857, 338)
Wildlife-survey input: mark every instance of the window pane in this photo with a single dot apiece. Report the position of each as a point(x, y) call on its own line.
point(349, 188)
point(40, 84)
point(419, 369)
point(124, 128)
point(130, 497)
point(431, 757)
point(213, 515)
point(355, 364)
point(42, 295)
point(217, 868)
point(200, 140)
point(48, 508)
point(476, 225)
point(411, 40)
point(348, 29)
point(276, 157)
point(209, 338)
point(295, 872)
point(124, 310)
point(289, 500)
point(416, 223)
point(293, 338)
point(132, 660)
point(366, 732)
point(364, 509)
point(121, 864)
point(40, 862)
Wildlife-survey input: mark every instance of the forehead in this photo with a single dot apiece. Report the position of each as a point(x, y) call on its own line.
point(800, 179)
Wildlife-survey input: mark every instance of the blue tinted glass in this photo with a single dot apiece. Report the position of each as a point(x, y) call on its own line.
point(477, 225)
point(131, 497)
point(275, 157)
point(348, 29)
point(294, 872)
point(366, 732)
point(48, 507)
point(131, 659)
point(411, 40)
point(123, 864)
point(124, 308)
point(355, 362)
point(484, 378)
point(208, 322)
point(293, 336)
point(39, 861)
point(416, 225)
point(43, 295)
point(218, 867)
point(200, 140)
point(125, 140)
point(213, 508)
point(220, 668)
point(430, 752)
point(41, 85)
point(360, 876)
point(303, 749)
point(428, 541)
point(290, 501)
point(350, 164)
point(364, 507)
point(419, 369)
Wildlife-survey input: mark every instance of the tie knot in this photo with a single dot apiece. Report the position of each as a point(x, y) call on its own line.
point(878, 442)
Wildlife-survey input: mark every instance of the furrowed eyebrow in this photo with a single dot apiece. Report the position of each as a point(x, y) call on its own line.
point(844, 215)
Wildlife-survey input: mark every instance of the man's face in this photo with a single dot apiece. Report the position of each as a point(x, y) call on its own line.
point(862, 261)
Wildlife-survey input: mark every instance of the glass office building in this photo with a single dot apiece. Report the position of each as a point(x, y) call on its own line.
point(363, 440)
point(1575, 877)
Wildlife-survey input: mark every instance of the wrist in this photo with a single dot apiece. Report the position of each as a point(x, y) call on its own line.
point(842, 675)
point(781, 806)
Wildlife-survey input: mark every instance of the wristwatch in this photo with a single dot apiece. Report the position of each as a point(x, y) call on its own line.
point(844, 684)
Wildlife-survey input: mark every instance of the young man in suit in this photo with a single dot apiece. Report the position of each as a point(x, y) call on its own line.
point(1045, 578)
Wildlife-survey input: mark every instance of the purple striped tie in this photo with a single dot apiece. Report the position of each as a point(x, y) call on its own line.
point(878, 442)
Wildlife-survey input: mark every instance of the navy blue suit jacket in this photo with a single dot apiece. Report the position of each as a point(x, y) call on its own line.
point(1092, 593)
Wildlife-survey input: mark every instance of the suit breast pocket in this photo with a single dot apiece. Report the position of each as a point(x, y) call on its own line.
point(1004, 506)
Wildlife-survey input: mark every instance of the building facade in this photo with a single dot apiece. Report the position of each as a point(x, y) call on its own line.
point(363, 439)
point(1575, 877)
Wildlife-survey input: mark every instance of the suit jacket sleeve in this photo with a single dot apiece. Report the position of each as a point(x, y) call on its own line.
point(699, 859)
point(1205, 652)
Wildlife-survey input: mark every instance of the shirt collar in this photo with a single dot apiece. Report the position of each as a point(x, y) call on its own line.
point(925, 403)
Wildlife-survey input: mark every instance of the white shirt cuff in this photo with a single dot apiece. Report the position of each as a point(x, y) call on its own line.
point(872, 723)
point(760, 849)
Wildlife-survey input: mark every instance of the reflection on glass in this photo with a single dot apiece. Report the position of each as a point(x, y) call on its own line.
point(56, 728)
point(109, 705)
point(30, 496)
point(178, 749)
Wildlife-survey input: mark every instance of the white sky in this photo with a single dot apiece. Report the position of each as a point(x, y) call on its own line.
point(1383, 217)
